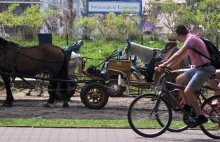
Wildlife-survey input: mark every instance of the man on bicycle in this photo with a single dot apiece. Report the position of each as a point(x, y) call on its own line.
point(201, 71)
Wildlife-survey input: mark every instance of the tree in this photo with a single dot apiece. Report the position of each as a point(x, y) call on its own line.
point(71, 16)
point(28, 23)
point(88, 24)
point(151, 15)
point(168, 12)
point(203, 13)
point(31, 20)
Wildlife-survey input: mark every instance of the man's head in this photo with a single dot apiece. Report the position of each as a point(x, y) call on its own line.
point(181, 32)
point(171, 41)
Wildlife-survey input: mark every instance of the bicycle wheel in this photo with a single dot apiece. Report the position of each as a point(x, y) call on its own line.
point(212, 112)
point(177, 124)
point(143, 114)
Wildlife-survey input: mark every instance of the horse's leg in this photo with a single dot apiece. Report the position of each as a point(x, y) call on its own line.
point(29, 92)
point(43, 75)
point(52, 94)
point(9, 98)
point(41, 89)
point(64, 92)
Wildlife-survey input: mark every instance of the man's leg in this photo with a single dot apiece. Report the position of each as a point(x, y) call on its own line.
point(183, 80)
point(199, 78)
point(193, 100)
point(189, 92)
point(213, 83)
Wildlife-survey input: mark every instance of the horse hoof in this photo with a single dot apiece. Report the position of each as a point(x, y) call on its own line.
point(7, 105)
point(65, 105)
point(48, 105)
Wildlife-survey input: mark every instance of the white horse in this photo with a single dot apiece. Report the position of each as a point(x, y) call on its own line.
point(145, 53)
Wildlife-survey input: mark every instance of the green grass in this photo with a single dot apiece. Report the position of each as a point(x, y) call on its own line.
point(37, 122)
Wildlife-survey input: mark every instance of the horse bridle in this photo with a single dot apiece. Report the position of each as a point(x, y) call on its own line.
point(127, 49)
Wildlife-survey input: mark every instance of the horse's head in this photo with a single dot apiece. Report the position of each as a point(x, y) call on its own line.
point(3, 42)
point(127, 48)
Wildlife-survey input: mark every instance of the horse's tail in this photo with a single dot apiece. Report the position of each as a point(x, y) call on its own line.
point(64, 75)
point(64, 68)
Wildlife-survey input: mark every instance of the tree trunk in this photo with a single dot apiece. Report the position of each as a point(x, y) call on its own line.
point(72, 15)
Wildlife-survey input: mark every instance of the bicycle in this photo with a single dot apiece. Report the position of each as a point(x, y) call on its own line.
point(158, 108)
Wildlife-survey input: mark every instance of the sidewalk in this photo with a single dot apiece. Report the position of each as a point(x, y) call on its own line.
point(25, 134)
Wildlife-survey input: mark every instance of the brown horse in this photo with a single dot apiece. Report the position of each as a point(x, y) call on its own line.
point(30, 61)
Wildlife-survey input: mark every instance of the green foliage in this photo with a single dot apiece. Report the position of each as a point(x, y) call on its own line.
point(28, 23)
point(31, 21)
point(168, 13)
point(109, 27)
point(203, 13)
point(8, 18)
point(88, 24)
point(32, 17)
point(199, 13)
point(185, 15)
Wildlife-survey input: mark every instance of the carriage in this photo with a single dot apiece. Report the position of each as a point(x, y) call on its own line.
point(121, 74)
point(114, 66)
point(94, 94)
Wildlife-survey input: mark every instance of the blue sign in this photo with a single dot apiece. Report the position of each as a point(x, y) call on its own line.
point(116, 6)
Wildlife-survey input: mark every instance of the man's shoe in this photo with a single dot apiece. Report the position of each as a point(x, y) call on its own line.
point(200, 120)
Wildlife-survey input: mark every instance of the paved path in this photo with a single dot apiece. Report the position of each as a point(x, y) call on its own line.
point(23, 134)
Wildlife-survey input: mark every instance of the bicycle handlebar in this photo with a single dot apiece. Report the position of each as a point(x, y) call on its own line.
point(166, 69)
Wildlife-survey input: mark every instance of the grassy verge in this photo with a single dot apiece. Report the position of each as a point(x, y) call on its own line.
point(36, 122)
point(73, 123)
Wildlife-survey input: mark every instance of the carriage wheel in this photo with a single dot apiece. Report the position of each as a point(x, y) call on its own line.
point(94, 96)
point(81, 93)
point(114, 89)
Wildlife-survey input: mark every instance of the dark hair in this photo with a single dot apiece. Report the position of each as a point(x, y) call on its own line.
point(181, 30)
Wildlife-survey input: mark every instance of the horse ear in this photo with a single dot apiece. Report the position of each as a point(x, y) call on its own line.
point(3, 41)
point(128, 43)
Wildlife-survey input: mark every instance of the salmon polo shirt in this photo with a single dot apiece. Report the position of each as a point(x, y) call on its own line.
point(193, 41)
